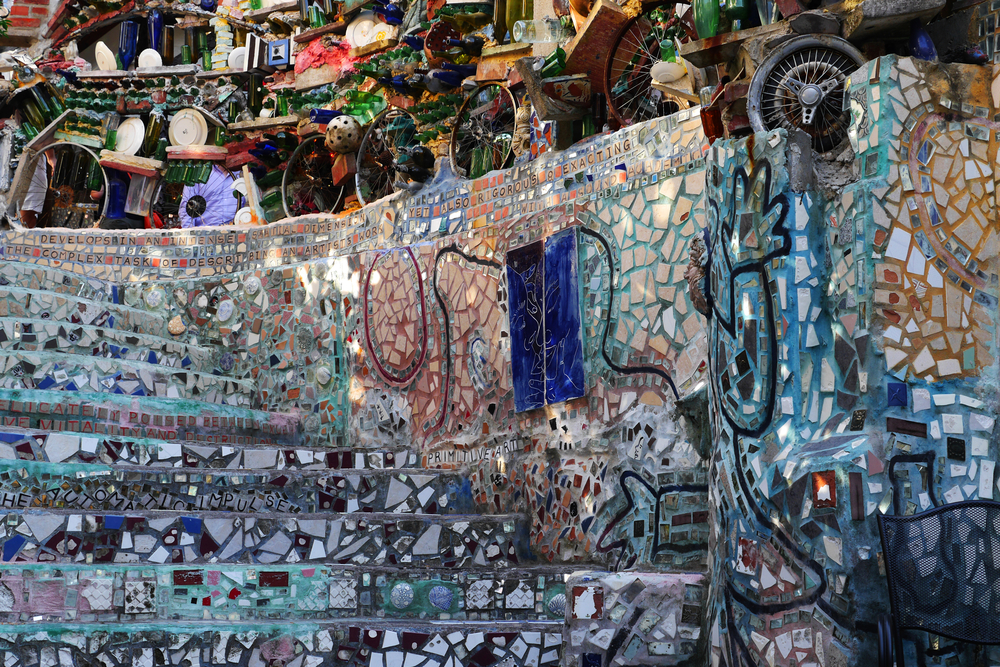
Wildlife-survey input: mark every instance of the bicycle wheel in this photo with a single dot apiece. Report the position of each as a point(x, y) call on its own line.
point(483, 139)
point(166, 204)
point(629, 85)
point(390, 132)
point(307, 185)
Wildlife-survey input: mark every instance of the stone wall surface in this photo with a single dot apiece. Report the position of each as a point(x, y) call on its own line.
point(637, 402)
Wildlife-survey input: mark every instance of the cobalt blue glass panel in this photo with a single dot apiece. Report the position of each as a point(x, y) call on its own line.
point(525, 280)
point(564, 377)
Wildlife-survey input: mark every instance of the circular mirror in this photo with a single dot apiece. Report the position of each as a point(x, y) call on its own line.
point(65, 187)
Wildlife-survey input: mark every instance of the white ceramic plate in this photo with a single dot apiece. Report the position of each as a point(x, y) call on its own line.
point(150, 58)
point(105, 57)
point(667, 72)
point(130, 135)
point(362, 30)
point(188, 128)
point(237, 58)
point(244, 216)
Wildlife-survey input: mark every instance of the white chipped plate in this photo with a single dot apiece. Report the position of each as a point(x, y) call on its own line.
point(188, 128)
point(237, 58)
point(244, 216)
point(150, 58)
point(363, 29)
point(130, 135)
point(105, 57)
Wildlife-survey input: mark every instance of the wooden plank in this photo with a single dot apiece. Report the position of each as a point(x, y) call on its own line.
point(132, 164)
point(548, 109)
point(374, 47)
point(723, 48)
point(338, 28)
point(260, 15)
point(216, 73)
point(264, 123)
point(589, 51)
point(676, 92)
point(197, 152)
point(90, 142)
point(496, 61)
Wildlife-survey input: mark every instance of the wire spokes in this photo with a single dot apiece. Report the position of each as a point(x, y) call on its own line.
point(802, 88)
point(483, 138)
point(392, 131)
point(628, 82)
point(307, 185)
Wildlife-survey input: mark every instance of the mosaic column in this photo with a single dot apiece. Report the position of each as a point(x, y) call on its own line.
point(852, 349)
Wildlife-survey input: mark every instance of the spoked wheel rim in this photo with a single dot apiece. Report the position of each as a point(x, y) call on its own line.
point(801, 86)
point(627, 78)
point(392, 130)
point(307, 185)
point(483, 139)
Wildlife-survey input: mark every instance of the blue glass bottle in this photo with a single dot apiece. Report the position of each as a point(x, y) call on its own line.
point(116, 195)
point(322, 116)
point(921, 44)
point(154, 30)
point(128, 43)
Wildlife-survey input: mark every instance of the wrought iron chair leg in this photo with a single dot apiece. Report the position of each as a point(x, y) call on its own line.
point(886, 642)
point(898, 642)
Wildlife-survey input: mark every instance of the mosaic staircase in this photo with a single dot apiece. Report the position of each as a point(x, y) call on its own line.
point(139, 528)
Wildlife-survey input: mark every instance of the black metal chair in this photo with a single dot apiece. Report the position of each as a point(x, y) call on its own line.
point(943, 572)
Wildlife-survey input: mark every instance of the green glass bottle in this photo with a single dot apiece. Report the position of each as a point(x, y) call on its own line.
point(706, 17)
point(154, 126)
point(737, 10)
point(555, 63)
point(203, 171)
point(95, 179)
point(29, 129)
point(33, 111)
point(56, 101)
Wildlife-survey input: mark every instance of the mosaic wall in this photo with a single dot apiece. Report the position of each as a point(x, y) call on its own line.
point(427, 410)
point(633, 403)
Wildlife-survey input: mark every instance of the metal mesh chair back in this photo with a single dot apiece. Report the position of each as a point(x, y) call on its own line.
point(942, 570)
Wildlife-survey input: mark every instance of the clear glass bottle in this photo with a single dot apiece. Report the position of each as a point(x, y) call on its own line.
point(519, 10)
point(540, 31)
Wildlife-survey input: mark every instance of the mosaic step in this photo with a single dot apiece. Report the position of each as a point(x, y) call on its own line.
point(60, 371)
point(149, 594)
point(634, 618)
point(116, 414)
point(304, 644)
point(21, 274)
point(122, 450)
point(43, 305)
point(115, 337)
point(215, 415)
point(37, 335)
point(156, 537)
point(101, 488)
